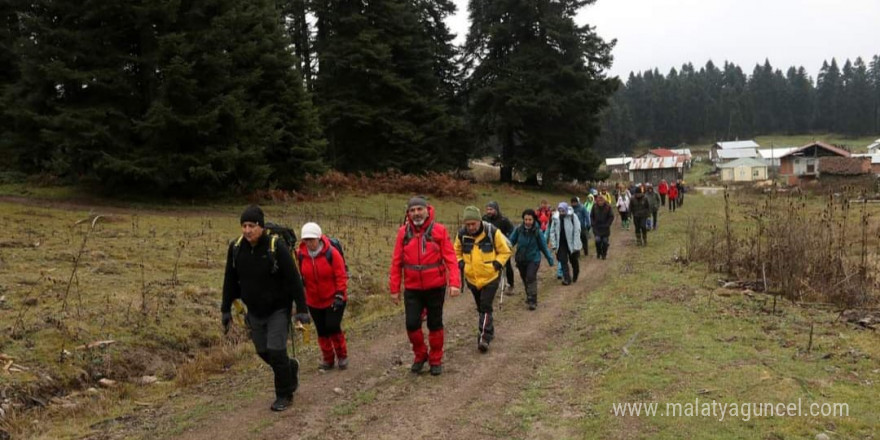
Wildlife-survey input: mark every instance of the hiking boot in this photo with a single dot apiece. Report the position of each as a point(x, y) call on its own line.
point(323, 366)
point(533, 306)
point(566, 283)
point(436, 370)
point(417, 366)
point(282, 403)
point(483, 346)
point(342, 363)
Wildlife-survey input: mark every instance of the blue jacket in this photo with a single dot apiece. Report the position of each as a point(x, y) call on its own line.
point(530, 245)
point(583, 215)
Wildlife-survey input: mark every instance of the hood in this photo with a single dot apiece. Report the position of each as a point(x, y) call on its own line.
point(494, 205)
point(591, 198)
point(427, 222)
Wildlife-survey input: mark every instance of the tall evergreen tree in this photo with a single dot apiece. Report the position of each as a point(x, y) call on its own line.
point(380, 90)
point(874, 75)
point(536, 85)
point(10, 34)
point(828, 93)
point(801, 102)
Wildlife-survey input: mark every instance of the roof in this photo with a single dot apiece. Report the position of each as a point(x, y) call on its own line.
point(733, 145)
point(662, 152)
point(654, 163)
point(682, 152)
point(875, 158)
point(744, 162)
point(737, 154)
point(617, 161)
point(823, 145)
point(876, 144)
point(775, 153)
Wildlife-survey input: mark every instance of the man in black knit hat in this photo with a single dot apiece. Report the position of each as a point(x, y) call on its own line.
point(260, 271)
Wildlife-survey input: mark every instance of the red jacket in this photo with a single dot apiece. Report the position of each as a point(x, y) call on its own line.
point(663, 188)
point(544, 217)
point(322, 278)
point(425, 264)
point(673, 192)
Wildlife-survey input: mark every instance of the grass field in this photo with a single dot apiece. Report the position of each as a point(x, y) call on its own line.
point(656, 331)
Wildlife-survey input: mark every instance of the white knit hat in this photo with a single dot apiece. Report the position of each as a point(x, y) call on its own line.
point(311, 230)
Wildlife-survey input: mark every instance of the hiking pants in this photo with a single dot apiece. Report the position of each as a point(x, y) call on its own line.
point(672, 204)
point(602, 245)
point(654, 218)
point(331, 339)
point(528, 271)
point(585, 236)
point(483, 299)
point(565, 257)
point(415, 301)
point(508, 271)
point(641, 229)
point(269, 335)
point(662, 199)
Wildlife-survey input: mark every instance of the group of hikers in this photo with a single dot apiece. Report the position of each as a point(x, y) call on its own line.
point(310, 283)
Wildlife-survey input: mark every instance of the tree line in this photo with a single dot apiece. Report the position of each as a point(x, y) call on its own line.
point(712, 103)
point(198, 96)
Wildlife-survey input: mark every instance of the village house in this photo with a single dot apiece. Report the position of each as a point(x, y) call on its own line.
point(874, 148)
point(746, 169)
point(654, 169)
point(732, 145)
point(618, 167)
point(771, 156)
point(802, 164)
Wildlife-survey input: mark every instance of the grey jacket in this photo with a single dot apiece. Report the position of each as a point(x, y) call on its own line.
point(572, 231)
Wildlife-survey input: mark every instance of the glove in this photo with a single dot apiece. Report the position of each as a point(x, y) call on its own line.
point(497, 266)
point(551, 262)
point(338, 301)
point(303, 318)
point(226, 320)
point(461, 265)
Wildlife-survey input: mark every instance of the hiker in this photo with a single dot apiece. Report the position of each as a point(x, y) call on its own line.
point(673, 197)
point(260, 271)
point(679, 185)
point(654, 202)
point(565, 240)
point(623, 209)
point(554, 217)
point(326, 284)
point(584, 216)
point(424, 257)
point(530, 245)
point(606, 195)
point(482, 250)
point(663, 190)
point(545, 214)
point(640, 209)
point(493, 215)
point(601, 217)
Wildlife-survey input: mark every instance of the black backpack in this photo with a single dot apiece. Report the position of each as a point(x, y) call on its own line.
point(274, 231)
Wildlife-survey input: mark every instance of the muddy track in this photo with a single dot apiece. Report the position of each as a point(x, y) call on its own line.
point(381, 399)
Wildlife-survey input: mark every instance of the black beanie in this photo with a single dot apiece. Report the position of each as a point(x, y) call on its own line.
point(253, 214)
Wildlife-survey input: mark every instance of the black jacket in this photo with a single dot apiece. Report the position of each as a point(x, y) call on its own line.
point(500, 221)
point(252, 279)
point(639, 206)
point(602, 217)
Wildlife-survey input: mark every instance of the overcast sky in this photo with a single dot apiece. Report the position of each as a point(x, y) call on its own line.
point(666, 34)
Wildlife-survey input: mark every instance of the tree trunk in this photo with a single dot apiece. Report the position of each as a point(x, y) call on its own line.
point(506, 174)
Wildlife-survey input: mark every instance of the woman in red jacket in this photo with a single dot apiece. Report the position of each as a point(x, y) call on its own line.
point(326, 283)
point(663, 189)
point(673, 196)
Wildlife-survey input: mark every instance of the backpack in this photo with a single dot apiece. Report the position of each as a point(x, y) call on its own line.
point(409, 234)
point(328, 254)
point(490, 234)
point(274, 231)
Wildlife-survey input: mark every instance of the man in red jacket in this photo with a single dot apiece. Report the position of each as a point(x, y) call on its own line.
point(326, 288)
point(663, 189)
point(424, 256)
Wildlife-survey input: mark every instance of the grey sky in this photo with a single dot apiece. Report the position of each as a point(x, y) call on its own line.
point(666, 34)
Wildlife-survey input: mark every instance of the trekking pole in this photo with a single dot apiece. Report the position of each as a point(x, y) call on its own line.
point(502, 285)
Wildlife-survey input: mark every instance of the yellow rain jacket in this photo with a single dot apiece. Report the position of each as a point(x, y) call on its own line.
point(479, 252)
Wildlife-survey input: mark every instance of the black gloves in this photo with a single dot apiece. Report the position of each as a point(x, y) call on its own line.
point(303, 318)
point(497, 266)
point(338, 301)
point(226, 320)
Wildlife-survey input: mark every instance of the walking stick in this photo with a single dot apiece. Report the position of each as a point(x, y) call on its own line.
point(502, 284)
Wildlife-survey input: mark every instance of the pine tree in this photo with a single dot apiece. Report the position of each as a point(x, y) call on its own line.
point(801, 103)
point(10, 34)
point(379, 87)
point(536, 85)
point(828, 91)
point(874, 75)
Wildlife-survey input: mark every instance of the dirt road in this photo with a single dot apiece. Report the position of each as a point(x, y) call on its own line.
point(378, 398)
